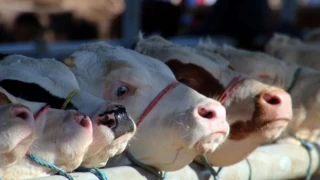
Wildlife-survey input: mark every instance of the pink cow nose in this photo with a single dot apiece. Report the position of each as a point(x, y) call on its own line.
point(211, 111)
point(22, 113)
point(214, 114)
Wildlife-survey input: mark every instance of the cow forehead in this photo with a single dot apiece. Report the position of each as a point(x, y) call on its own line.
point(121, 57)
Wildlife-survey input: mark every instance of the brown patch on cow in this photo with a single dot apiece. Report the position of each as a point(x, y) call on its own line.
point(195, 77)
point(4, 99)
point(241, 129)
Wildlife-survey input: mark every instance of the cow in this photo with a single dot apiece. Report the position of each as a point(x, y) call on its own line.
point(174, 122)
point(294, 50)
point(17, 131)
point(50, 81)
point(62, 138)
point(257, 113)
point(300, 82)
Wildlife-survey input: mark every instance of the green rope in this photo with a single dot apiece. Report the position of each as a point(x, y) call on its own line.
point(68, 99)
point(294, 80)
point(42, 162)
point(97, 172)
point(162, 175)
point(213, 172)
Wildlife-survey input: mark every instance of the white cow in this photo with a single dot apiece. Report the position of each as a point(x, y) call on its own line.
point(301, 82)
point(51, 82)
point(175, 123)
point(62, 138)
point(294, 50)
point(257, 113)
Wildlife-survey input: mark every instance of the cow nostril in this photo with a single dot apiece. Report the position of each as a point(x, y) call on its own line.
point(205, 113)
point(110, 123)
point(272, 99)
point(21, 113)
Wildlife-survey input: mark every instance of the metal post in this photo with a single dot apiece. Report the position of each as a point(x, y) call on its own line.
point(130, 22)
point(289, 11)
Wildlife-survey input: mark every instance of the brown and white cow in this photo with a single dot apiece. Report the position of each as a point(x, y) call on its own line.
point(257, 113)
point(50, 81)
point(175, 123)
point(294, 50)
point(17, 131)
point(301, 82)
point(62, 138)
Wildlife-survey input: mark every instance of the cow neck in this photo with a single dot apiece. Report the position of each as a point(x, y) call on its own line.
point(153, 103)
point(294, 80)
point(156, 100)
point(231, 87)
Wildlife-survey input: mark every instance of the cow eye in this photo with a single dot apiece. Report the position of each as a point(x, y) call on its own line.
point(122, 90)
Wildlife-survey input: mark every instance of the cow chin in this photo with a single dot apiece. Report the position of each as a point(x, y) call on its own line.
point(272, 130)
point(119, 144)
point(209, 143)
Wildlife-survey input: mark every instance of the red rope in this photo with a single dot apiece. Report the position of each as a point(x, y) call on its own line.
point(232, 86)
point(37, 115)
point(156, 100)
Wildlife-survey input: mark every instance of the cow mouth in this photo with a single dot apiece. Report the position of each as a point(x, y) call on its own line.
point(210, 142)
point(242, 129)
point(124, 138)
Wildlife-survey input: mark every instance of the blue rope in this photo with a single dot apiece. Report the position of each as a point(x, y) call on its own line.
point(162, 175)
point(49, 165)
point(97, 172)
point(213, 172)
point(308, 146)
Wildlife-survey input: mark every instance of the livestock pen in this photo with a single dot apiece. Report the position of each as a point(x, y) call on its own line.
point(272, 161)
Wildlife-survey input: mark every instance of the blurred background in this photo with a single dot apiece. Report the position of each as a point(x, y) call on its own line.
point(55, 28)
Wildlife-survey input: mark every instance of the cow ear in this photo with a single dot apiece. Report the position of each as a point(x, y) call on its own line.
point(69, 61)
point(4, 99)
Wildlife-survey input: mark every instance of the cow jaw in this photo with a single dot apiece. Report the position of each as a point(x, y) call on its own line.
point(64, 137)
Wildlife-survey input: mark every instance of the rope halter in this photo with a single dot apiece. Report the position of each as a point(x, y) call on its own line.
point(149, 108)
